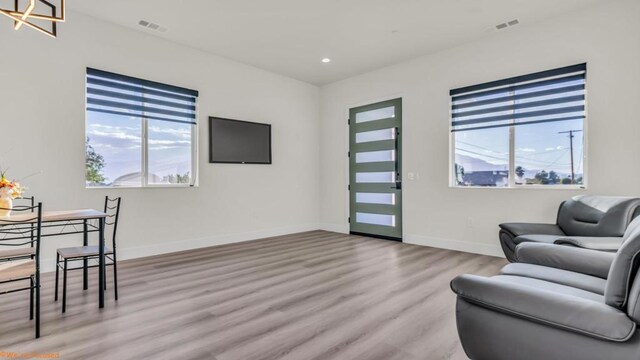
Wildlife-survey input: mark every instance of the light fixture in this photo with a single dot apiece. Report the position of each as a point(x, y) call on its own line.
point(29, 14)
point(326, 60)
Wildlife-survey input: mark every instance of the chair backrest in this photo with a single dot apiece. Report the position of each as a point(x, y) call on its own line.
point(23, 227)
point(112, 209)
point(623, 283)
point(21, 202)
point(593, 215)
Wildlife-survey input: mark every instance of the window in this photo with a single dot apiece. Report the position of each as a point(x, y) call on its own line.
point(139, 133)
point(521, 132)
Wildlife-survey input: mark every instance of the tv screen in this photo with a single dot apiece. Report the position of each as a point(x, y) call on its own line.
point(239, 142)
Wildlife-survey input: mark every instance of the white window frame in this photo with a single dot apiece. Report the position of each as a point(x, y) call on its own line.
point(512, 175)
point(144, 164)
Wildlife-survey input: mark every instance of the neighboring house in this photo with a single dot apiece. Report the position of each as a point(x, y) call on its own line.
point(486, 178)
point(134, 179)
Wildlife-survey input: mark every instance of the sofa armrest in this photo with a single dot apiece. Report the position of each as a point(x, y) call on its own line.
point(584, 261)
point(518, 229)
point(562, 311)
point(592, 242)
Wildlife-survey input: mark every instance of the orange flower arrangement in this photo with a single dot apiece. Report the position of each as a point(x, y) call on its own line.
point(9, 189)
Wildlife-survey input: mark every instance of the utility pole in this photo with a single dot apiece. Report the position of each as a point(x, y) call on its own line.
point(571, 136)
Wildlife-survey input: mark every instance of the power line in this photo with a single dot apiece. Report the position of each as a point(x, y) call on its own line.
point(571, 136)
point(529, 161)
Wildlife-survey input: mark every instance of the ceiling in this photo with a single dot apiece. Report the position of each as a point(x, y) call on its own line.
point(290, 37)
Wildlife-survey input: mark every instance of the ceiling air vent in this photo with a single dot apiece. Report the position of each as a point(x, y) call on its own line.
point(507, 24)
point(152, 26)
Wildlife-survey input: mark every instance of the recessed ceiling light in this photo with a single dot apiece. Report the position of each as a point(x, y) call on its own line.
point(326, 60)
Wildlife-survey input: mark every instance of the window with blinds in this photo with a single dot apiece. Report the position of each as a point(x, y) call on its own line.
point(139, 132)
point(522, 131)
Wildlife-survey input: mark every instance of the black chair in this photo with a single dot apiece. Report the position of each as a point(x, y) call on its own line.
point(86, 253)
point(20, 254)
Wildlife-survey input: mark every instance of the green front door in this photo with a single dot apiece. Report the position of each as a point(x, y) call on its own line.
point(375, 168)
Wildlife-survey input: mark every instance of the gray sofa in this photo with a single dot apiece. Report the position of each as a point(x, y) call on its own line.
point(556, 303)
point(587, 221)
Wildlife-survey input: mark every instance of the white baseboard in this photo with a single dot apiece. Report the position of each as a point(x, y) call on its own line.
point(457, 245)
point(125, 253)
point(335, 228)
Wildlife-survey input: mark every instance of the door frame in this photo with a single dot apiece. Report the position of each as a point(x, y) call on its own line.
point(347, 166)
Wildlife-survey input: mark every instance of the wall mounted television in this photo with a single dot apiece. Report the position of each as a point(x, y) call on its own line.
point(239, 142)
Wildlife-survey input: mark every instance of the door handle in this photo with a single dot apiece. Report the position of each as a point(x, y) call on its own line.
point(397, 160)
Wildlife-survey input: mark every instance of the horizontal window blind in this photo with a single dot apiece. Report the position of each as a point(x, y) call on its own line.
point(128, 96)
point(547, 96)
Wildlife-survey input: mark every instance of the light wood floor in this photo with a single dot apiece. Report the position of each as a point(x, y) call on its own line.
point(315, 295)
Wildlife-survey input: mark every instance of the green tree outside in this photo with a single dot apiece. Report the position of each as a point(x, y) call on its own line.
point(94, 165)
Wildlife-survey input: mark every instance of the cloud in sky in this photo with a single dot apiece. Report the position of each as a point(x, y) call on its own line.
point(119, 140)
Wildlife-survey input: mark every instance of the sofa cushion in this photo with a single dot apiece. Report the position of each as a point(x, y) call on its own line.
point(591, 242)
point(583, 261)
point(550, 286)
point(563, 277)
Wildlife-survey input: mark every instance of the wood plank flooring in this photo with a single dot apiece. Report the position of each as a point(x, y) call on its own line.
point(309, 296)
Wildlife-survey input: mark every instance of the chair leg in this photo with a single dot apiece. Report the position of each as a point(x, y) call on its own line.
point(57, 274)
point(115, 276)
point(105, 278)
point(31, 298)
point(37, 303)
point(64, 287)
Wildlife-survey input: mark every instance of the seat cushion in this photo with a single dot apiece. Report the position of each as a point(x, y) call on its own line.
point(547, 239)
point(22, 252)
point(557, 276)
point(591, 242)
point(19, 269)
point(82, 251)
point(550, 287)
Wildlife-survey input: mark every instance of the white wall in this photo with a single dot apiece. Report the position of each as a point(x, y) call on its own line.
point(42, 117)
point(607, 37)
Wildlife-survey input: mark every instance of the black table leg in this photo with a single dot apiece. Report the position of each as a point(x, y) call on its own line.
point(85, 271)
point(101, 263)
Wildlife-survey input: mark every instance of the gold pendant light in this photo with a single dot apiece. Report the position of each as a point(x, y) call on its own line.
point(33, 13)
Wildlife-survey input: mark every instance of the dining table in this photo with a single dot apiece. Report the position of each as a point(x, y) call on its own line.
point(69, 222)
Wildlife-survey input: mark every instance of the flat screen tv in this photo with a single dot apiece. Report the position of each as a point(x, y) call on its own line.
point(239, 142)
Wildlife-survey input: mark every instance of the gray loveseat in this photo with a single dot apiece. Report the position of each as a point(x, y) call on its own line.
point(587, 221)
point(559, 303)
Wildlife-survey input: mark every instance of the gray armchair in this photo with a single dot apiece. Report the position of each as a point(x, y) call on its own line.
point(587, 221)
point(581, 304)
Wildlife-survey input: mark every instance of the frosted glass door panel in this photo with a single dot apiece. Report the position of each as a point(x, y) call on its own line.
point(376, 198)
point(375, 177)
point(377, 114)
point(376, 219)
point(375, 156)
point(375, 135)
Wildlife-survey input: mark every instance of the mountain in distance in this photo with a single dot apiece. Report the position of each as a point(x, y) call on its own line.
point(472, 164)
